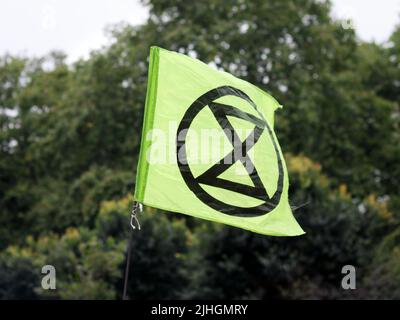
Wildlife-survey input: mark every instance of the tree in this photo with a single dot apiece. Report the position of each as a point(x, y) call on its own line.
point(69, 137)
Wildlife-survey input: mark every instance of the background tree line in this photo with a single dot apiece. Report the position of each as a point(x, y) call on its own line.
point(69, 142)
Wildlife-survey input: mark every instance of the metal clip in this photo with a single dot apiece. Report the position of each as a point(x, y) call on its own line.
point(135, 207)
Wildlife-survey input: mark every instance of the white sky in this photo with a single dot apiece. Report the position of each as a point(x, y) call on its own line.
point(77, 26)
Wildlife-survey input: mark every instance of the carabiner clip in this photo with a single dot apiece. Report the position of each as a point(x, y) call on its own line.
point(135, 207)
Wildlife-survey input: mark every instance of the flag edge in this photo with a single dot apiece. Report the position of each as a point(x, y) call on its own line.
point(148, 117)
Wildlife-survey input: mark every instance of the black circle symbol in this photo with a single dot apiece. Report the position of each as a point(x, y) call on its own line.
point(210, 177)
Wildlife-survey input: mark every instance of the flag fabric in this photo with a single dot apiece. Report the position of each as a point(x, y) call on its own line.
point(209, 150)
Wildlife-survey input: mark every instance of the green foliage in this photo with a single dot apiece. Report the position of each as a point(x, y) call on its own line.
point(85, 266)
point(158, 250)
point(69, 142)
point(384, 275)
point(301, 267)
point(18, 277)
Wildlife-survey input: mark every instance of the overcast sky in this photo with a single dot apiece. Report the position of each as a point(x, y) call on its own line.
point(77, 26)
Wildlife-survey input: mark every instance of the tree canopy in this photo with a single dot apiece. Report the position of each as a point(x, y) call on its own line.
point(70, 137)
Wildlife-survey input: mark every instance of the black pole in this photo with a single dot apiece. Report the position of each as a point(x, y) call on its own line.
point(128, 262)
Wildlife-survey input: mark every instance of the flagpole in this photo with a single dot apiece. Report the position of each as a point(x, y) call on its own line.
point(128, 262)
point(129, 248)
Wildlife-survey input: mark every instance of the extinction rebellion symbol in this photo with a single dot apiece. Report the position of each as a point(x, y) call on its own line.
point(238, 153)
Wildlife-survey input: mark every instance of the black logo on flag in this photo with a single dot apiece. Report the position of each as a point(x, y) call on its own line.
point(239, 153)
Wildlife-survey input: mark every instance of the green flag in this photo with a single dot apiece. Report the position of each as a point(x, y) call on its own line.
point(208, 148)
